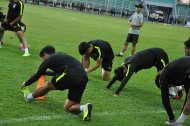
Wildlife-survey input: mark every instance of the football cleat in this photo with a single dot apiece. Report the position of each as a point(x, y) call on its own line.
point(87, 112)
point(25, 91)
point(26, 54)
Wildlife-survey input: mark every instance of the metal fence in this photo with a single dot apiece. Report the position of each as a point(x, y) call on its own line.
point(105, 6)
point(184, 12)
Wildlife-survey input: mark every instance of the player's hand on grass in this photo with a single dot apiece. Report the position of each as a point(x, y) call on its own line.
point(115, 95)
point(107, 88)
point(22, 85)
point(87, 71)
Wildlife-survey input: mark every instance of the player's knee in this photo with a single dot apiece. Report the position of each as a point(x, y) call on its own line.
point(71, 110)
point(66, 108)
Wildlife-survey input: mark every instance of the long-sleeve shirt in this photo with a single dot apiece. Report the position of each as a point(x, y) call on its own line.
point(102, 49)
point(59, 63)
point(143, 60)
point(175, 73)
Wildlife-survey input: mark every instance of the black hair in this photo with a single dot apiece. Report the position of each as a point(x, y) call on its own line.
point(187, 43)
point(157, 80)
point(139, 5)
point(119, 73)
point(83, 47)
point(47, 49)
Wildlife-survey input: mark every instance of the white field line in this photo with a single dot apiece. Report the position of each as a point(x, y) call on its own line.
point(69, 116)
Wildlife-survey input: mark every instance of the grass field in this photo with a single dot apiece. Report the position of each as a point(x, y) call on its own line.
point(139, 104)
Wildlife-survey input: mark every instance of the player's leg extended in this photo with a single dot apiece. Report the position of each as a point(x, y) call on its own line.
point(41, 91)
point(20, 35)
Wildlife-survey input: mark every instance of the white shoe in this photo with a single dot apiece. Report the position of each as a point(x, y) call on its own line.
point(173, 123)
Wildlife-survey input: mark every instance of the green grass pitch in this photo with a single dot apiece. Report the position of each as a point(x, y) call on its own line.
point(139, 104)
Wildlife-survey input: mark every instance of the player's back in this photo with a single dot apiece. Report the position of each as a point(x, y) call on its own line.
point(61, 62)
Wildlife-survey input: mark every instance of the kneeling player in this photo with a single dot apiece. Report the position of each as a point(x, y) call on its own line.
point(99, 50)
point(68, 74)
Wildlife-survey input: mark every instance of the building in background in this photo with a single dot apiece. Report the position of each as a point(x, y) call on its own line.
point(170, 11)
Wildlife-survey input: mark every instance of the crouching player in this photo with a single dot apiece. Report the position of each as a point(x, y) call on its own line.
point(99, 50)
point(142, 60)
point(175, 73)
point(68, 73)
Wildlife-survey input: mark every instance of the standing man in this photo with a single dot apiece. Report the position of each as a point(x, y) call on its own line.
point(68, 73)
point(142, 60)
point(135, 21)
point(175, 73)
point(99, 50)
point(12, 23)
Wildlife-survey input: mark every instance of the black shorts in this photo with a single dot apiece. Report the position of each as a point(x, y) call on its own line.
point(19, 26)
point(108, 60)
point(133, 38)
point(107, 64)
point(75, 84)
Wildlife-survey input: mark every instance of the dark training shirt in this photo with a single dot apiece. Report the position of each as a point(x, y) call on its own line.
point(143, 60)
point(175, 73)
point(59, 63)
point(15, 10)
point(102, 49)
